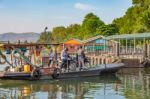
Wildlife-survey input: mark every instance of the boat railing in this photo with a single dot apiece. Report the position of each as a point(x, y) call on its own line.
point(23, 57)
point(4, 57)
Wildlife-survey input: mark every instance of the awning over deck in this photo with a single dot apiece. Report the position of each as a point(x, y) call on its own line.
point(73, 42)
point(130, 36)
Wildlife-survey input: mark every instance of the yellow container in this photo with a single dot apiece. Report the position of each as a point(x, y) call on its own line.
point(26, 68)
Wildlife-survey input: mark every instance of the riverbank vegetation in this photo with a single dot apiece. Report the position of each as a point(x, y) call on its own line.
point(135, 20)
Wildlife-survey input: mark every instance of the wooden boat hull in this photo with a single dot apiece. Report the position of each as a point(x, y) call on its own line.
point(95, 71)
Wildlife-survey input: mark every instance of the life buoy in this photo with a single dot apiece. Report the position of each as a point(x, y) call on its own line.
point(35, 74)
point(56, 73)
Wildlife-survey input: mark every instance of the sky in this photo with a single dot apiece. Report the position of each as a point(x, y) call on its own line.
point(34, 15)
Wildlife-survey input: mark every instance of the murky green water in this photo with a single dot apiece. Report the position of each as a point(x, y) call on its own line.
point(132, 84)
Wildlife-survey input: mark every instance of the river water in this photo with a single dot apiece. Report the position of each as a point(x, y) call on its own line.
point(128, 84)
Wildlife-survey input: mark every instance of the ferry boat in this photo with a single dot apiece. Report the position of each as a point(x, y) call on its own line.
point(29, 71)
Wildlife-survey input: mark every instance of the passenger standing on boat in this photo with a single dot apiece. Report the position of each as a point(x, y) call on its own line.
point(81, 57)
point(64, 58)
point(51, 58)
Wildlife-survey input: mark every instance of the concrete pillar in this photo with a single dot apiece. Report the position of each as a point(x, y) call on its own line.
point(100, 61)
point(93, 61)
point(96, 61)
point(104, 61)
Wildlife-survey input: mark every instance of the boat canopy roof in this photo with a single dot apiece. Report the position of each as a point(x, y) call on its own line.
point(25, 44)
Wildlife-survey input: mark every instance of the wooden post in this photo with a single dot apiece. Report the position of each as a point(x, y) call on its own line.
point(144, 45)
point(134, 45)
point(117, 49)
point(145, 51)
point(126, 45)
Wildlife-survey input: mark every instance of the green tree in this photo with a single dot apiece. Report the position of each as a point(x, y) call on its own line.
point(45, 37)
point(73, 31)
point(136, 18)
point(90, 23)
point(107, 30)
point(59, 34)
point(146, 19)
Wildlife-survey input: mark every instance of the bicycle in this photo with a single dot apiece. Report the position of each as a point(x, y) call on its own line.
point(70, 65)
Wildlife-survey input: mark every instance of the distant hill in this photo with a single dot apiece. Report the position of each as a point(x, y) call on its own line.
point(14, 37)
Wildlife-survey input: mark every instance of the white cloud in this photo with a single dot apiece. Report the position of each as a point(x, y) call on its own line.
point(82, 6)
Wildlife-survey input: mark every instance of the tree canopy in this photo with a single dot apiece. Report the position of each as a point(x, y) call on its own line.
point(91, 26)
point(135, 20)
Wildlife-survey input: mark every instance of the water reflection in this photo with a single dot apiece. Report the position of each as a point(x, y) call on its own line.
point(90, 87)
point(136, 85)
point(123, 86)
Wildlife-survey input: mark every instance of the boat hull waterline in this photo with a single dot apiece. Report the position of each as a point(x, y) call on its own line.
point(94, 71)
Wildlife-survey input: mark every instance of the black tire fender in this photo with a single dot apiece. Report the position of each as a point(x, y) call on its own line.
point(56, 73)
point(35, 74)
